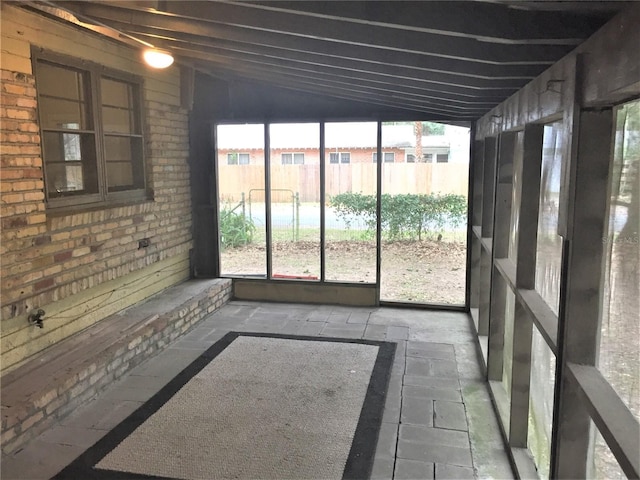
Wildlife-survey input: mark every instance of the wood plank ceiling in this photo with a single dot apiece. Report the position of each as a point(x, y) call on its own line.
point(451, 60)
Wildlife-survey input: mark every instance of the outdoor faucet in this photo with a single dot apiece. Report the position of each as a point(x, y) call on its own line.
point(36, 318)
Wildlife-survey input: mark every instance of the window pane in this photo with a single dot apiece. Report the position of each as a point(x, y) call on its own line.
point(423, 218)
point(241, 199)
point(117, 120)
point(60, 82)
point(507, 362)
point(549, 243)
point(70, 163)
point(62, 114)
point(244, 159)
point(619, 359)
point(541, 397)
point(232, 158)
point(389, 156)
point(345, 157)
point(295, 201)
point(115, 93)
point(515, 200)
point(287, 158)
point(123, 156)
point(602, 464)
point(350, 254)
point(442, 157)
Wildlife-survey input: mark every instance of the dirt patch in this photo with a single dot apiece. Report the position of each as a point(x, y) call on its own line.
point(412, 271)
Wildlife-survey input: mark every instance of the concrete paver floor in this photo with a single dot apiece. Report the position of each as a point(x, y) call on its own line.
point(438, 420)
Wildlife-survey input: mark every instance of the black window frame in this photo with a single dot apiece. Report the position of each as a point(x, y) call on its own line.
point(95, 73)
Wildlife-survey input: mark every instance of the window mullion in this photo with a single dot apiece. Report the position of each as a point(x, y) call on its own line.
point(96, 116)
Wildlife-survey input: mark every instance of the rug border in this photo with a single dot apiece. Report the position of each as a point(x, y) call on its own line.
point(363, 446)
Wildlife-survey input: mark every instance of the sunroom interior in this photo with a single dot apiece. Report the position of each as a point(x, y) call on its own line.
point(294, 107)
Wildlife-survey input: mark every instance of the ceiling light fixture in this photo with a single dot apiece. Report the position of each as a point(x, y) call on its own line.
point(157, 58)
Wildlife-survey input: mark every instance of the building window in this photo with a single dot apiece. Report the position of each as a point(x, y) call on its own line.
point(292, 158)
point(90, 123)
point(427, 157)
point(340, 157)
point(238, 158)
point(442, 157)
point(411, 158)
point(389, 157)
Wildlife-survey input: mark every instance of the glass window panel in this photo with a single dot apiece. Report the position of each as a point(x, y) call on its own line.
point(117, 120)
point(507, 352)
point(62, 114)
point(119, 175)
point(61, 82)
point(241, 199)
point(619, 353)
point(389, 156)
point(124, 162)
point(515, 200)
point(295, 201)
point(602, 464)
point(244, 159)
point(116, 94)
point(70, 161)
point(423, 216)
point(442, 157)
point(549, 243)
point(287, 158)
point(345, 157)
point(350, 254)
point(541, 398)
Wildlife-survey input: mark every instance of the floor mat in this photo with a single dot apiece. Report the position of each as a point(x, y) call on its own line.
point(255, 406)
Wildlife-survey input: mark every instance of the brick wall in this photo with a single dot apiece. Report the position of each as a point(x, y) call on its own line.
point(49, 257)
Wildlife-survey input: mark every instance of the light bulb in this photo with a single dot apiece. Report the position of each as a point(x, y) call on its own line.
point(157, 58)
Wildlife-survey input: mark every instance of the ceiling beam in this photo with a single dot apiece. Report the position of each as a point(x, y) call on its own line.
point(273, 44)
point(491, 22)
point(385, 77)
point(233, 78)
point(329, 88)
point(319, 77)
point(241, 16)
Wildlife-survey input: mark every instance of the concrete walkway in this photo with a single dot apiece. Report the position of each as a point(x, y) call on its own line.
point(438, 420)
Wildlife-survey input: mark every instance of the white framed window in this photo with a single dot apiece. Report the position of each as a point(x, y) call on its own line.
point(340, 157)
point(389, 157)
point(442, 158)
point(292, 158)
point(235, 158)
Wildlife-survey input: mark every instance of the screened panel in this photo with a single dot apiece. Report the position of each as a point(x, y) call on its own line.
point(549, 243)
point(423, 217)
point(619, 357)
point(517, 194)
point(507, 352)
point(295, 200)
point(602, 464)
point(241, 200)
point(350, 208)
point(541, 398)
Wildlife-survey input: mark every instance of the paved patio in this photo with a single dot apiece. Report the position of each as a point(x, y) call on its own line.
point(438, 420)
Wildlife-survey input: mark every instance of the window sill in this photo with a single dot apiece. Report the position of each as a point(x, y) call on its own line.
point(63, 210)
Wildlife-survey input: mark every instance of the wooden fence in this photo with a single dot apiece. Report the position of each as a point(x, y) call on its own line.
point(358, 177)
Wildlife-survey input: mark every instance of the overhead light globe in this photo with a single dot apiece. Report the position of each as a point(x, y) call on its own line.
point(157, 58)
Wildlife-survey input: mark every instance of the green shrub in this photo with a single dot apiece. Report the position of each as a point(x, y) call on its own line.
point(405, 216)
point(235, 228)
